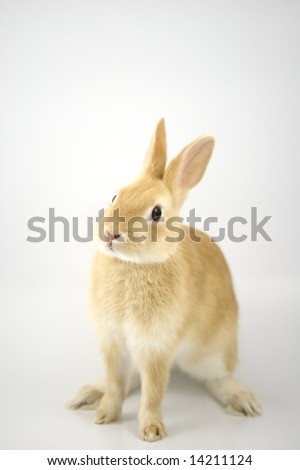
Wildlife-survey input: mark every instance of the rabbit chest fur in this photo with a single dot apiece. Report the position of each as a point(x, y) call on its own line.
point(171, 307)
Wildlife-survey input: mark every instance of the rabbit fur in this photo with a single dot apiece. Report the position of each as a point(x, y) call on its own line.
point(159, 303)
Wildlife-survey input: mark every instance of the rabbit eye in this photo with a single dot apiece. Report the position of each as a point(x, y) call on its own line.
point(156, 213)
point(114, 198)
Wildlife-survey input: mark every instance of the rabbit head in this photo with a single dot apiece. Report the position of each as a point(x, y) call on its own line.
point(140, 225)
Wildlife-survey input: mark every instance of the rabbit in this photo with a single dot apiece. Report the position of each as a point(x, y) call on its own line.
point(163, 300)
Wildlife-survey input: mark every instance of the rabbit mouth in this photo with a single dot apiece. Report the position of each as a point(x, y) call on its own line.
point(109, 250)
point(110, 246)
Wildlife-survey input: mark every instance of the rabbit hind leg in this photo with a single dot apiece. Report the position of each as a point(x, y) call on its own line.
point(223, 386)
point(89, 396)
point(236, 399)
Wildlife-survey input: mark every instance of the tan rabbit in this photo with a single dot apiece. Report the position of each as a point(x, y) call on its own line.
point(159, 299)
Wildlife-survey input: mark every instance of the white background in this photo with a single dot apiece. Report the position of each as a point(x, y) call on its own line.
point(82, 86)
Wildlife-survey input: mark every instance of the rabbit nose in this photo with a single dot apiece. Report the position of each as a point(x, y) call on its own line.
point(113, 236)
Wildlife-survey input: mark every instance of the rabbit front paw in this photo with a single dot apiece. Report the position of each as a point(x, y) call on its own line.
point(104, 416)
point(152, 432)
point(108, 410)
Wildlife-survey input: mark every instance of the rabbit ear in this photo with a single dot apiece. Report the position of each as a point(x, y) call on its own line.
point(186, 170)
point(156, 157)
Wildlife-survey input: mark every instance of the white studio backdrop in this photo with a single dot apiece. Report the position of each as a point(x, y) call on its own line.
point(83, 84)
